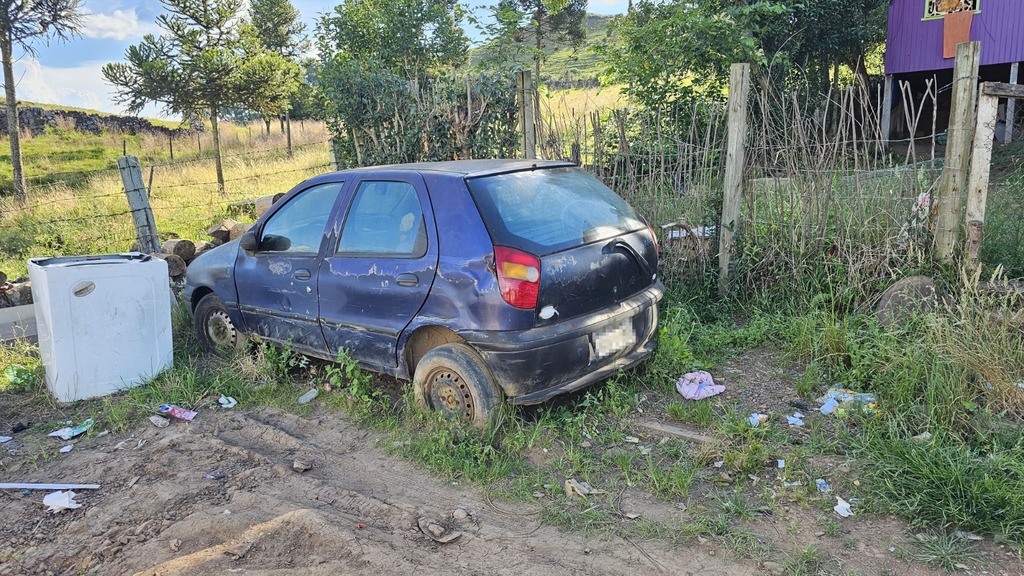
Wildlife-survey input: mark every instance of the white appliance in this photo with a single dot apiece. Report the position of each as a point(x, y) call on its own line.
point(104, 322)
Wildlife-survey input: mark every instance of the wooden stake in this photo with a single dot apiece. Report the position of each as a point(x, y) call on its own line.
point(138, 200)
point(739, 90)
point(1011, 105)
point(981, 164)
point(960, 135)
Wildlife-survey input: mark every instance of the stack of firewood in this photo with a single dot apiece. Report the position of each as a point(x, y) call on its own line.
point(15, 293)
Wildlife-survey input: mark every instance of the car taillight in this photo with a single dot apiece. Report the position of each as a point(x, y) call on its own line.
point(518, 276)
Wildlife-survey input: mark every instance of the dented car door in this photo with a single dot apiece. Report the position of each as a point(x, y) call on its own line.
point(277, 284)
point(377, 275)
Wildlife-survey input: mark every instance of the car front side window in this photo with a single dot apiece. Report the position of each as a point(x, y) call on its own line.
point(386, 219)
point(298, 227)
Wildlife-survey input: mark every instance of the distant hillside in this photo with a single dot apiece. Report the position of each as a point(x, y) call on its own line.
point(564, 67)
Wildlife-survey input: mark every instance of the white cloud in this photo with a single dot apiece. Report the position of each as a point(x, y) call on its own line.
point(119, 25)
point(81, 86)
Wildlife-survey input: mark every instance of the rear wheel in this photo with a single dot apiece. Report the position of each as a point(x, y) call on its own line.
point(214, 328)
point(454, 380)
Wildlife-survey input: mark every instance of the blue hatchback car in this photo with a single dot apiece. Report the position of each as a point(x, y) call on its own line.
point(477, 279)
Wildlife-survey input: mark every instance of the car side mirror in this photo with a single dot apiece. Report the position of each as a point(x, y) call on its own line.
point(248, 242)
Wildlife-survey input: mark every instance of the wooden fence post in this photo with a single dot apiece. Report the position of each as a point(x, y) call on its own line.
point(1011, 105)
point(527, 113)
point(739, 90)
point(138, 200)
point(960, 136)
point(334, 155)
point(981, 163)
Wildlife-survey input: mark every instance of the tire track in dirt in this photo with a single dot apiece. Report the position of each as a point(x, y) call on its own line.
point(354, 512)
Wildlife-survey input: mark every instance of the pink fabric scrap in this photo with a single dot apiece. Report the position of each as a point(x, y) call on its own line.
point(698, 385)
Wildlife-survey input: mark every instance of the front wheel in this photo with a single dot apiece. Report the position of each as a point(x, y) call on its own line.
point(454, 380)
point(214, 328)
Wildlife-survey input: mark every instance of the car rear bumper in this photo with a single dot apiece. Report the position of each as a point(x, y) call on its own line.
point(534, 365)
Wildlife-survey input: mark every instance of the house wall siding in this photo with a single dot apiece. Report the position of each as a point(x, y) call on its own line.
point(915, 45)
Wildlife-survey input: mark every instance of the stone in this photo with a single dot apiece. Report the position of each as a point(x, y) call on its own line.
point(914, 294)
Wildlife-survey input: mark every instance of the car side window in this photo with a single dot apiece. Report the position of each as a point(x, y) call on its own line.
point(386, 219)
point(298, 227)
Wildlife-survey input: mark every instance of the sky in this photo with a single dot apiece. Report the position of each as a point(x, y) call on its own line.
point(69, 74)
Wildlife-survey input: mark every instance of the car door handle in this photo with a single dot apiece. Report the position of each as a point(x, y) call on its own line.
point(407, 279)
point(302, 274)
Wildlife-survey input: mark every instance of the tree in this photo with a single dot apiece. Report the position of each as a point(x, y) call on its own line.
point(21, 23)
point(278, 27)
point(682, 49)
point(409, 36)
point(544, 19)
point(276, 23)
point(205, 63)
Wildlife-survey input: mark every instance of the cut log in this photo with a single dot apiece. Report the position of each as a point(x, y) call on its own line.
point(17, 294)
point(238, 229)
point(3, 278)
point(175, 265)
point(201, 246)
point(221, 231)
point(185, 249)
point(264, 203)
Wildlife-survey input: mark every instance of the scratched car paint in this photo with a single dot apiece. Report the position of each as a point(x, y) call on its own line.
point(480, 280)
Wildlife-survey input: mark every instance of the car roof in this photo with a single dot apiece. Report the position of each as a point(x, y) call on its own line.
point(466, 168)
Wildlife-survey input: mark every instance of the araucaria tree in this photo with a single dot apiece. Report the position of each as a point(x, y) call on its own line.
point(547, 19)
point(276, 23)
point(205, 62)
point(22, 23)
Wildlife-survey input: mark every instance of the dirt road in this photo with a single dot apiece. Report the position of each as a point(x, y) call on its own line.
point(221, 495)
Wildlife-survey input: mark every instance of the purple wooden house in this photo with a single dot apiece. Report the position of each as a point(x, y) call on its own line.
point(921, 44)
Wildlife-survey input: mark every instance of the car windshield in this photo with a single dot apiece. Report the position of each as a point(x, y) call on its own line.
point(549, 210)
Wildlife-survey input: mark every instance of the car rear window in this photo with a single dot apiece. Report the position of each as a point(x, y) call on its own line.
point(549, 210)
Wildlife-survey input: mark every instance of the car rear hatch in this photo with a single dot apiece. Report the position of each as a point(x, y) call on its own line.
point(591, 248)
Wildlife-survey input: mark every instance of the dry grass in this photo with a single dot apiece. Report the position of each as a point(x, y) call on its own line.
point(94, 218)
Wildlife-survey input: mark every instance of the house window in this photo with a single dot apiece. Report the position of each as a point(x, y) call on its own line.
point(939, 8)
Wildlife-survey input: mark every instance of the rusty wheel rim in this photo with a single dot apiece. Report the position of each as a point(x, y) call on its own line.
point(451, 395)
point(220, 330)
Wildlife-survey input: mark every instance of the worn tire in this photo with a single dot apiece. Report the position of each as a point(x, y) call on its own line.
point(214, 328)
point(454, 380)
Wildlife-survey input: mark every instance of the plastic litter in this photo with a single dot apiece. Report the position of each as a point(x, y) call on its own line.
point(756, 419)
point(58, 501)
point(923, 437)
point(70, 432)
point(781, 463)
point(159, 421)
point(66, 449)
point(177, 412)
point(839, 400)
point(842, 508)
point(227, 402)
point(308, 396)
point(823, 486)
point(698, 385)
point(214, 475)
point(797, 419)
point(6, 439)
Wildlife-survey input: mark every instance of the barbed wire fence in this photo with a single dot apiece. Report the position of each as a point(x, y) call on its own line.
point(92, 215)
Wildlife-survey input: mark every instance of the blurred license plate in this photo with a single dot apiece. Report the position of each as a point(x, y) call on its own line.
point(615, 338)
